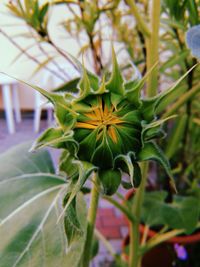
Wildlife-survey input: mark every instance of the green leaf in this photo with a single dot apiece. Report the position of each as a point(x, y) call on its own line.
point(18, 161)
point(156, 104)
point(84, 171)
point(159, 98)
point(84, 85)
point(34, 19)
point(75, 220)
point(95, 247)
point(152, 210)
point(102, 156)
point(193, 11)
point(43, 12)
point(68, 166)
point(153, 130)
point(133, 88)
point(30, 196)
point(86, 144)
point(151, 151)
point(130, 167)
point(110, 180)
point(94, 80)
point(183, 213)
point(55, 138)
point(102, 88)
point(116, 83)
point(137, 175)
point(148, 109)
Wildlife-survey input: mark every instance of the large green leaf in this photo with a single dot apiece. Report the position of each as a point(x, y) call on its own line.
point(31, 203)
point(18, 161)
point(153, 207)
point(182, 213)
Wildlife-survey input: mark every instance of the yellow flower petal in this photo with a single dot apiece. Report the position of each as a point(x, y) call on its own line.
point(85, 125)
point(112, 134)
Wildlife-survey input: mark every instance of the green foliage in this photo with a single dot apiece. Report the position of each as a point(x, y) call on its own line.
point(181, 213)
point(30, 195)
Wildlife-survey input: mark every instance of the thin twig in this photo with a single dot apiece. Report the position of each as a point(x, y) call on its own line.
point(63, 53)
point(29, 55)
point(61, 70)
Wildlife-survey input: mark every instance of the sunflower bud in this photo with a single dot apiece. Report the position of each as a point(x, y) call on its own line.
point(108, 127)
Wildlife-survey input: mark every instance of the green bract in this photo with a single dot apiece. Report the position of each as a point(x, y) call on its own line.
point(108, 128)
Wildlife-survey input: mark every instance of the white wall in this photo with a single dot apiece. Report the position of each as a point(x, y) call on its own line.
point(23, 68)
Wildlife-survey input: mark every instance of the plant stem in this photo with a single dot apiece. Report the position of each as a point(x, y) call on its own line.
point(134, 256)
point(141, 24)
point(91, 220)
point(121, 207)
point(152, 44)
point(97, 60)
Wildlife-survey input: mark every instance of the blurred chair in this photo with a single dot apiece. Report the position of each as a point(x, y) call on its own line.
point(9, 88)
point(50, 82)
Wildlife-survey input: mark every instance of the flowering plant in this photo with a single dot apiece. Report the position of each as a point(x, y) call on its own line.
point(106, 128)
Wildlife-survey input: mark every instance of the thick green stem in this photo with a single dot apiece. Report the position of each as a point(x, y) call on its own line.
point(91, 221)
point(152, 45)
point(134, 256)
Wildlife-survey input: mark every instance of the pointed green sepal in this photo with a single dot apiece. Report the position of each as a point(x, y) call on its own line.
point(74, 224)
point(168, 96)
point(84, 171)
point(94, 80)
point(55, 138)
point(128, 165)
point(84, 85)
point(67, 166)
point(102, 156)
point(148, 109)
point(102, 89)
point(153, 130)
point(116, 83)
point(110, 180)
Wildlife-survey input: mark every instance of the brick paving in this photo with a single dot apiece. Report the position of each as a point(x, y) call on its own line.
point(109, 222)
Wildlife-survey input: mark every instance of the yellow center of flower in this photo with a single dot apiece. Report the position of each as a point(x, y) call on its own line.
point(103, 118)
